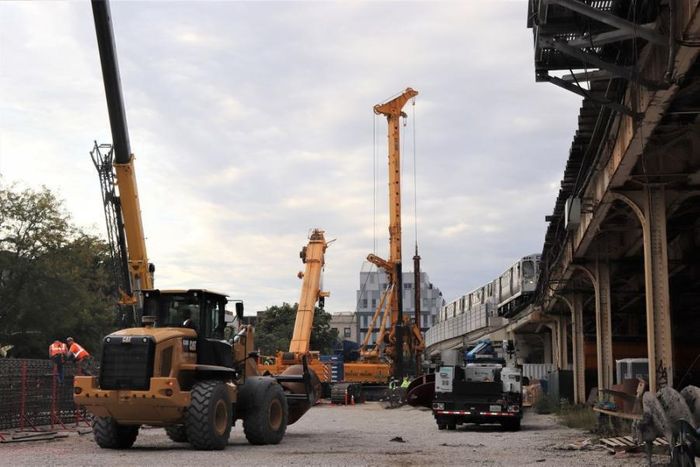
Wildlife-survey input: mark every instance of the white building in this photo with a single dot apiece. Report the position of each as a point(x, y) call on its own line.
point(346, 324)
point(373, 283)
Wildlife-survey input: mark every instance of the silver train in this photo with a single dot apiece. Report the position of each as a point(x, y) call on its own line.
point(503, 296)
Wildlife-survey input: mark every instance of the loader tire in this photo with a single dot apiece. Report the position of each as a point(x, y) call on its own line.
point(111, 435)
point(176, 433)
point(209, 416)
point(265, 420)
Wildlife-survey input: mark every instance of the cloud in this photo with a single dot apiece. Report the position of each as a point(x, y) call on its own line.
point(252, 123)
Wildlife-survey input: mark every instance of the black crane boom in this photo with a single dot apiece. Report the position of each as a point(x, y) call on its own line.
point(110, 76)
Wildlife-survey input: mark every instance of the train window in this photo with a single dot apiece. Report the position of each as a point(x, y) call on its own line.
point(528, 269)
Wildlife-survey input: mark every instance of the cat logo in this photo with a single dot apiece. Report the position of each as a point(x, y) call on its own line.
point(126, 340)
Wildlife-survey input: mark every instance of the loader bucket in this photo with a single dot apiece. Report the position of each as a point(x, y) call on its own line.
point(299, 398)
point(421, 391)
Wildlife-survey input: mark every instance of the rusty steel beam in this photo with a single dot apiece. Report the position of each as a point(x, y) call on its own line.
point(628, 73)
point(611, 20)
point(626, 146)
point(611, 37)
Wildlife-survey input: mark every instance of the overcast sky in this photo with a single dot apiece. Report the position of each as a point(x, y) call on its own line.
point(252, 123)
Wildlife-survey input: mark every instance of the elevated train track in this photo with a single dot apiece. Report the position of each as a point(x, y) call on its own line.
point(625, 222)
point(619, 267)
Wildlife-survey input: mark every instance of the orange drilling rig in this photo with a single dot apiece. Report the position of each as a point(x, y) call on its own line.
point(402, 337)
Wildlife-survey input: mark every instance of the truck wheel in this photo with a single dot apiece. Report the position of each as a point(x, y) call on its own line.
point(511, 425)
point(111, 435)
point(208, 418)
point(441, 426)
point(177, 433)
point(265, 420)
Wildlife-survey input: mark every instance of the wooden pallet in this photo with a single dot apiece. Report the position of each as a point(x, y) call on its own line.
point(627, 443)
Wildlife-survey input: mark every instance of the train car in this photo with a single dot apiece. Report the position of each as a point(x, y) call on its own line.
point(503, 296)
point(517, 284)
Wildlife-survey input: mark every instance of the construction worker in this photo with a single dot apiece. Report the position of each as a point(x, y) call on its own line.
point(404, 387)
point(79, 354)
point(57, 352)
point(393, 383)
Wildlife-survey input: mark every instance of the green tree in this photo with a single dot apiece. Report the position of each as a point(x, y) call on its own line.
point(275, 326)
point(54, 279)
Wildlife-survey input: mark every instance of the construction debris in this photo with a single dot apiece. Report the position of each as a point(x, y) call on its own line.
point(22, 437)
point(576, 446)
point(627, 443)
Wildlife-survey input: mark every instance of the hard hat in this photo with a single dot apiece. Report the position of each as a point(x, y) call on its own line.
point(69, 339)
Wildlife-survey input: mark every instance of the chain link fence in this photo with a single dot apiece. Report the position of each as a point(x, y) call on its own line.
point(31, 394)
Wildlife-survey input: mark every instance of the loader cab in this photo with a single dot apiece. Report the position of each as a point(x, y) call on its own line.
point(200, 310)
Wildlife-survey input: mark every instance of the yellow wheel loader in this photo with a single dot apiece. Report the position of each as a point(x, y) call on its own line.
point(187, 370)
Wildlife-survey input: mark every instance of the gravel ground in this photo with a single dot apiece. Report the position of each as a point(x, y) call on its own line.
point(334, 435)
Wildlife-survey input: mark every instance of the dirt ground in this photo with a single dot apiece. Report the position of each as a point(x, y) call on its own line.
point(335, 435)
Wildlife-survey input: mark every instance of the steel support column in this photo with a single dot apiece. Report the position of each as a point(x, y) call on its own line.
point(555, 339)
point(603, 325)
point(549, 348)
point(562, 342)
point(658, 307)
point(579, 361)
point(650, 207)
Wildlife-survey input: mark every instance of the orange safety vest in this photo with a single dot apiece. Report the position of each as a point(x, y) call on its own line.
point(78, 351)
point(57, 348)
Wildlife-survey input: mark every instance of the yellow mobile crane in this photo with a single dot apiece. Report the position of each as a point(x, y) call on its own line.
point(175, 367)
point(115, 166)
point(397, 341)
point(313, 256)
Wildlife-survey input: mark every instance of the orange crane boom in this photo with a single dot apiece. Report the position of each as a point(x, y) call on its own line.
point(312, 256)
